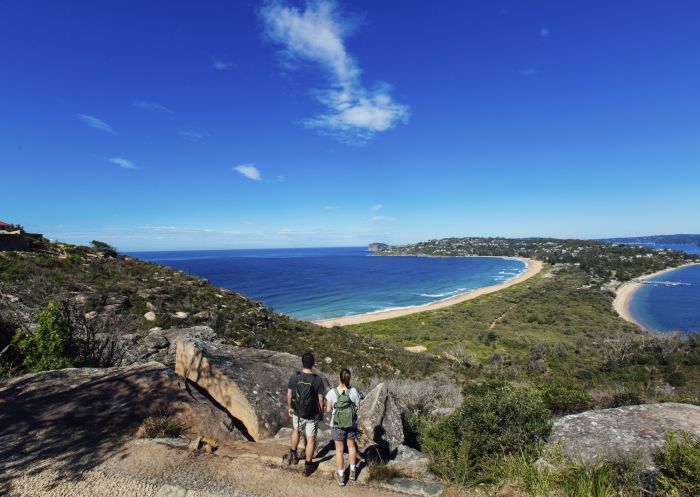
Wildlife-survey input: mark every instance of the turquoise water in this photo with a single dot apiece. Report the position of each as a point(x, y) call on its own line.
point(333, 282)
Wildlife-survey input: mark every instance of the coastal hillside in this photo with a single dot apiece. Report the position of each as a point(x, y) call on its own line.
point(557, 327)
point(600, 261)
point(115, 296)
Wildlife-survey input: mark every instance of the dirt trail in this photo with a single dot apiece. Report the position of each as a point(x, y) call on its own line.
point(146, 468)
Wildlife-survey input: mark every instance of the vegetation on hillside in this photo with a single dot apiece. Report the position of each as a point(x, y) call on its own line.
point(600, 261)
point(554, 329)
point(110, 296)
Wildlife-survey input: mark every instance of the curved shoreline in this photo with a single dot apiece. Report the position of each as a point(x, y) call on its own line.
point(532, 268)
point(626, 291)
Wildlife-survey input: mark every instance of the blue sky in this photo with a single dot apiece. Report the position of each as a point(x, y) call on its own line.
point(217, 124)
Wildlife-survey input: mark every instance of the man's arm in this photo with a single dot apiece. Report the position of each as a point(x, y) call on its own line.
point(320, 405)
point(290, 409)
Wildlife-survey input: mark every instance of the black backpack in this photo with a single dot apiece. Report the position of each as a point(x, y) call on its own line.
point(305, 397)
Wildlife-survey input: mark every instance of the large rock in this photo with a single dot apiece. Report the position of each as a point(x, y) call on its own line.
point(410, 462)
point(633, 430)
point(75, 412)
point(251, 384)
point(379, 420)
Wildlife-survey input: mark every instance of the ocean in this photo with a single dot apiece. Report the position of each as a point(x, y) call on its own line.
point(670, 308)
point(322, 283)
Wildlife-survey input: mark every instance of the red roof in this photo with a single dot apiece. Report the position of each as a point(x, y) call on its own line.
point(4, 224)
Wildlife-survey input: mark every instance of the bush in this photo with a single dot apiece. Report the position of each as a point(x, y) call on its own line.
point(679, 466)
point(626, 398)
point(51, 346)
point(380, 472)
point(494, 419)
point(676, 379)
point(566, 399)
point(162, 425)
point(103, 248)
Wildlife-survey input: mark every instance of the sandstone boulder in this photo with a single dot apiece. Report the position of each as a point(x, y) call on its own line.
point(632, 430)
point(53, 412)
point(379, 420)
point(251, 384)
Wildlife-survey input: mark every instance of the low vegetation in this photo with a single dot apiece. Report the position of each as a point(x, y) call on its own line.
point(107, 296)
point(553, 328)
point(162, 425)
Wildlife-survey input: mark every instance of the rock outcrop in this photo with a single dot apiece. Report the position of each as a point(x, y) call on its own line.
point(251, 384)
point(632, 430)
point(114, 397)
point(379, 421)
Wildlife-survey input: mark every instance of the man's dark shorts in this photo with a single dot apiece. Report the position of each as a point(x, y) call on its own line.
point(342, 434)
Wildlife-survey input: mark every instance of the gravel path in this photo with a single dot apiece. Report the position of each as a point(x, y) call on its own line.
point(151, 469)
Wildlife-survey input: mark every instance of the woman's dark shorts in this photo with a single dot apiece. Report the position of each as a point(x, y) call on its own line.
point(342, 434)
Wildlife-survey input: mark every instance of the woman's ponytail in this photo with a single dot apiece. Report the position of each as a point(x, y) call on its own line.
point(345, 377)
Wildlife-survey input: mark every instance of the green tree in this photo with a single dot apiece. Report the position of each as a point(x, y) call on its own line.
point(104, 248)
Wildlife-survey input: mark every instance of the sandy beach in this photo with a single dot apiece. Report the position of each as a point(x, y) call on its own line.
point(533, 267)
point(624, 294)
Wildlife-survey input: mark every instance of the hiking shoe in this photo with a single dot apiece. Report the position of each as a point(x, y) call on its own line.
point(353, 474)
point(340, 478)
point(308, 468)
point(290, 458)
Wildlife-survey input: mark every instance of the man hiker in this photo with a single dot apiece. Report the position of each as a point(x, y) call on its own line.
point(305, 406)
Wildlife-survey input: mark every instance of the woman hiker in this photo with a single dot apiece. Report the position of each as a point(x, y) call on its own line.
point(343, 402)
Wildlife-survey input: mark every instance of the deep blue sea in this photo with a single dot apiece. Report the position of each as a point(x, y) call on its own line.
point(323, 283)
point(672, 308)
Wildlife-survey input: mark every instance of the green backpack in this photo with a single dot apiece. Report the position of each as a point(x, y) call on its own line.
point(345, 414)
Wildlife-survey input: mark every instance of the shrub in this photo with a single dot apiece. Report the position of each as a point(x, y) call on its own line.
point(679, 466)
point(51, 346)
point(626, 398)
point(162, 425)
point(566, 399)
point(103, 248)
point(381, 472)
point(676, 379)
point(494, 419)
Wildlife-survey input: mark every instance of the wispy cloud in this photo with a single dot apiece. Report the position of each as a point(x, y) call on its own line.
point(317, 34)
point(123, 163)
point(376, 207)
point(380, 219)
point(186, 229)
point(93, 122)
point(330, 207)
point(249, 171)
point(152, 106)
point(192, 135)
point(281, 178)
point(220, 65)
point(544, 32)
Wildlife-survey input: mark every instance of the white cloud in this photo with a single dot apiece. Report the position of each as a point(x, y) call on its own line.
point(152, 106)
point(376, 207)
point(93, 122)
point(317, 35)
point(544, 32)
point(123, 163)
point(220, 65)
point(249, 171)
point(330, 207)
point(380, 219)
point(192, 135)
